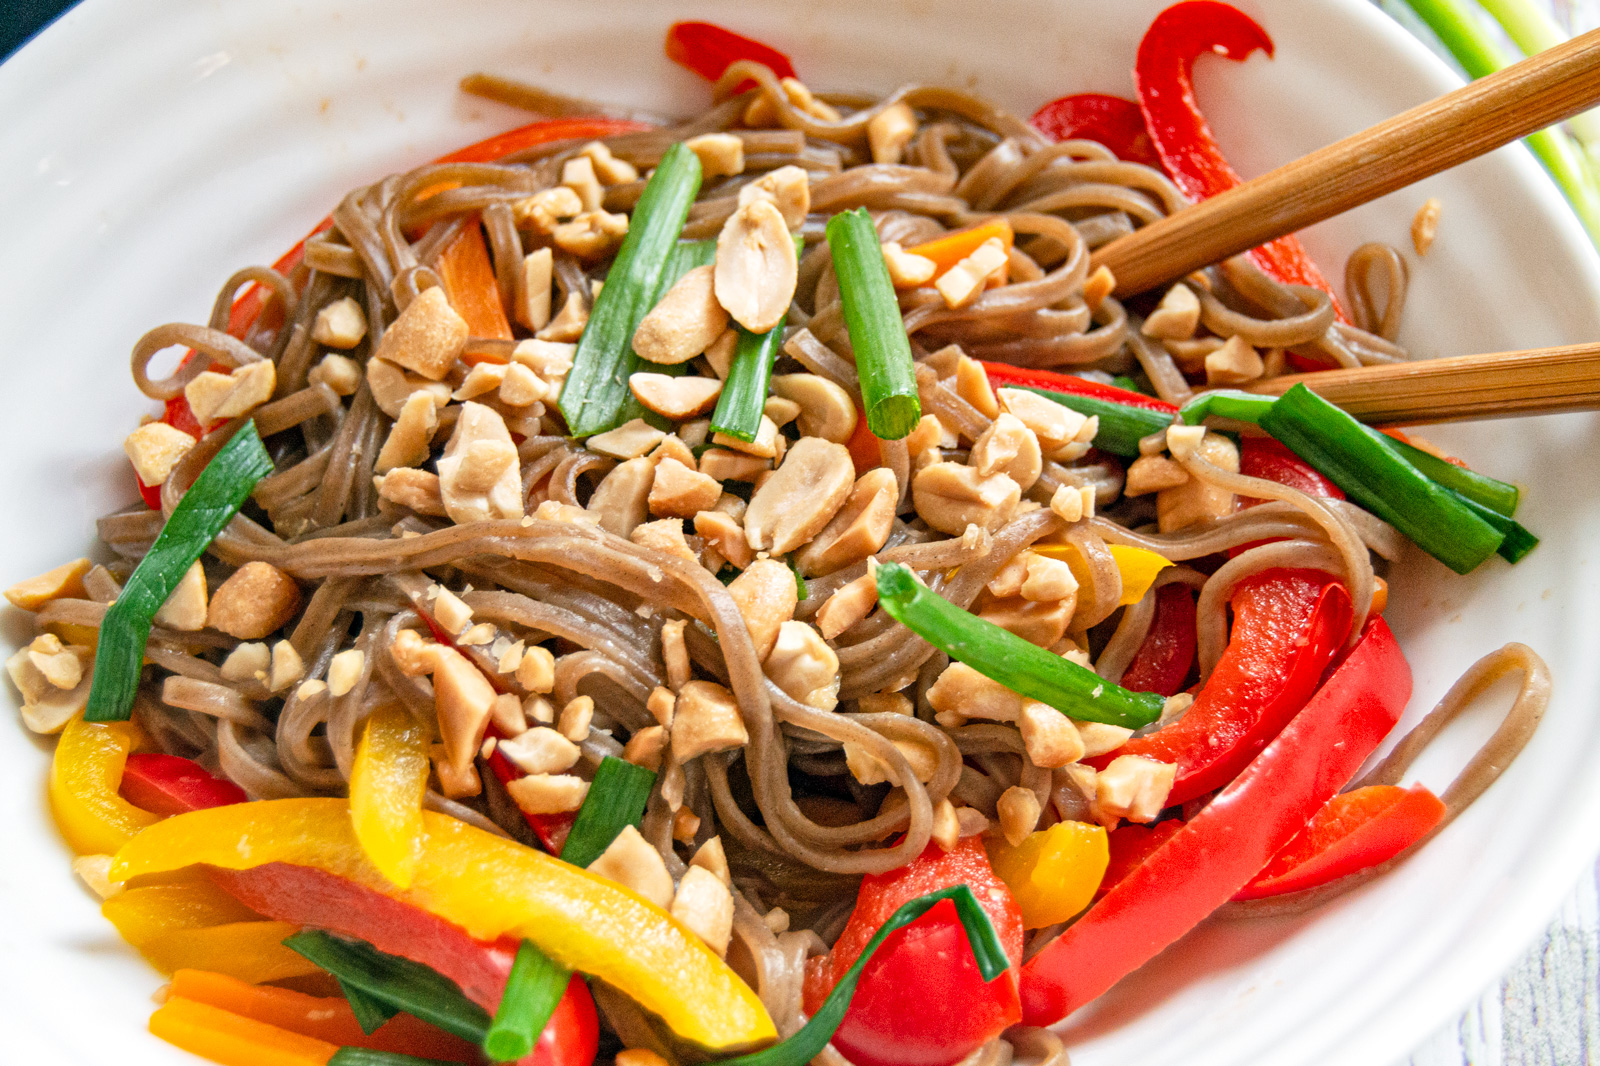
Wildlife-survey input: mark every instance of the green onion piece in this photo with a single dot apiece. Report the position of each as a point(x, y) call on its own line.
point(877, 332)
point(800, 589)
point(744, 393)
point(1518, 541)
point(1002, 656)
point(1225, 403)
point(533, 988)
point(1497, 496)
point(596, 389)
point(1372, 473)
point(208, 506)
point(1121, 426)
point(401, 983)
point(615, 801)
point(370, 1011)
point(1124, 382)
point(808, 1043)
point(360, 1056)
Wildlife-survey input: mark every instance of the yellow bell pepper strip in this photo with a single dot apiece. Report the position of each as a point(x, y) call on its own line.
point(387, 783)
point(491, 888)
point(233, 1040)
point(1054, 872)
point(84, 776)
point(142, 915)
point(1138, 567)
point(251, 951)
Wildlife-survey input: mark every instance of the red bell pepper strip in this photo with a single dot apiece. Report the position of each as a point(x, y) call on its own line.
point(1112, 121)
point(1353, 831)
point(1162, 662)
point(169, 784)
point(307, 896)
point(1266, 458)
point(1287, 625)
point(1004, 375)
point(1130, 845)
point(1217, 853)
point(889, 1023)
point(1164, 77)
point(708, 50)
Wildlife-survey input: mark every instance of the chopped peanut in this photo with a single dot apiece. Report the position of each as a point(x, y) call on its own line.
point(628, 441)
point(719, 354)
point(1073, 503)
point(538, 272)
point(607, 167)
point(760, 112)
point(706, 719)
point(1235, 363)
point(545, 209)
point(287, 667)
point(646, 747)
point(1048, 736)
point(962, 283)
point(972, 385)
point(720, 154)
point(1134, 788)
point(1152, 473)
point(480, 476)
point(1047, 579)
point(756, 267)
point(482, 378)
point(704, 905)
point(413, 488)
point(765, 446)
point(256, 600)
point(801, 498)
point(345, 670)
point(1037, 623)
point(540, 750)
point(621, 498)
point(427, 337)
point(591, 235)
point(907, 270)
point(789, 190)
point(214, 396)
point(766, 596)
point(962, 691)
point(859, 528)
point(724, 533)
point(454, 783)
point(1196, 500)
point(849, 605)
point(712, 857)
point(339, 372)
point(661, 703)
point(884, 703)
point(185, 608)
point(64, 582)
point(675, 653)
point(536, 671)
point(548, 793)
point(411, 437)
point(154, 449)
point(340, 324)
point(630, 861)
point(946, 826)
point(675, 398)
point(664, 535)
point(950, 496)
point(680, 491)
point(803, 665)
point(685, 824)
point(684, 322)
point(506, 714)
point(47, 706)
point(724, 464)
point(391, 387)
point(1057, 427)
point(870, 770)
point(578, 175)
point(1097, 286)
point(1008, 447)
point(889, 131)
point(1425, 224)
point(780, 410)
point(462, 698)
point(549, 359)
point(249, 660)
point(1176, 317)
point(1100, 737)
point(673, 447)
point(1019, 813)
point(826, 409)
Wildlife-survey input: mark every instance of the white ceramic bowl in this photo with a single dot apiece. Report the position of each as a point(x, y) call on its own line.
point(149, 147)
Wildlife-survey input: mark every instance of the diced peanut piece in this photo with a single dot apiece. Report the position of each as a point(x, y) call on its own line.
point(721, 154)
point(946, 826)
point(780, 410)
point(506, 714)
point(1175, 707)
point(646, 747)
point(789, 190)
point(1425, 224)
point(685, 322)
point(926, 436)
point(1235, 363)
point(964, 691)
point(1134, 788)
point(1008, 447)
point(540, 750)
point(1037, 623)
point(1008, 580)
point(889, 131)
point(567, 513)
point(721, 351)
point(1176, 317)
point(766, 595)
point(591, 235)
point(871, 770)
point(256, 600)
point(724, 533)
point(803, 665)
point(800, 498)
point(454, 783)
point(578, 175)
point(538, 709)
point(481, 379)
point(621, 498)
point(847, 606)
point(639, 1056)
point(480, 634)
point(765, 446)
point(860, 528)
point(95, 872)
point(631, 862)
point(885, 703)
point(391, 387)
point(1072, 502)
point(64, 582)
point(1152, 473)
point(154, 449)
point(723, 464)
point(685, 824)
point(675, 653)
point(675, 398)
point(185, 608)
point(537, 670)
point(287, 667)
point(972, 385)
point(250, 660)
point(413, 488)
point(58, 666)
point(344, 670)
point(214, 396)
point(681, 492)
point(907, 270)
point(607, 167)
point(427, 337)
point(1047, 579)
point(664, 535)
point(339, 372)
point(1054, 424)
point(1097, 286)
point(451, 613)
point(480, 476)
point(46, 705)
point(950, 496)
point(1019, 813)
point(410, 438)
point(660, 704)
point(712, 858)
point(548, 793)
point(538, 272)
point(542, 211)
point(704, 905)
point(1100, 737)
point(756, 268)
point(962, 283)
point(761, 112)
point(706, 719)
point(548, 359)
point(628, 441)
point(672, 447)
point(1048, 736)
point(462, 697)
point(826, 409)
point(340, 324)
point(1195, 500)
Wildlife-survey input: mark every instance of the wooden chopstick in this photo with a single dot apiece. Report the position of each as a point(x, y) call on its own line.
point(1459, 388)
point(1461, 125)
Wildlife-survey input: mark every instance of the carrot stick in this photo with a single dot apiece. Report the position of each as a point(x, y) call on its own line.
point(323, 1018)
point(950, 249)
point(469, 282)
point(232, 1040)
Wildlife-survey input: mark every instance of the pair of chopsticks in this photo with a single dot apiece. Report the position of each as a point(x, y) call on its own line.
point(1461, 125)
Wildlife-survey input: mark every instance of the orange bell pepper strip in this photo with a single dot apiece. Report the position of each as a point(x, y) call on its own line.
point(948, 250)
point(1054, 872)
point(326, 1018)
point(84, 775)
point(251, 951)
point(387, 783)
point(471, 286)
point(491, 888)
point(232, 1040)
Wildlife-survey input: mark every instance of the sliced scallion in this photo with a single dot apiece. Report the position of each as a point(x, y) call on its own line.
point(405, 985)
point(744, 391)
point(877, 332)
point(596, 389)
point(808, 1043)
point(615, 801)
point(208, 506)
point(1121, 425)
point(1373, 474)
point(1518, 541)
point(1225, 403)
point(371, 1012)
point(1495, 495)
point(533, 988)
point(1002, 656)
point(361, 1056)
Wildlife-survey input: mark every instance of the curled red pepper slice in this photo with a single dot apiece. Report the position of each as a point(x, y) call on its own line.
point(1162, 662)
point(1268, 459)
point(1163, 76)
point(1112, 121)
point(708, 50)
point(1004, 375)
point(1222, 848)
point(170, 784)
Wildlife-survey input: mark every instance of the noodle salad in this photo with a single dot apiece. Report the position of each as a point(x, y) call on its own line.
point(704, 590)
